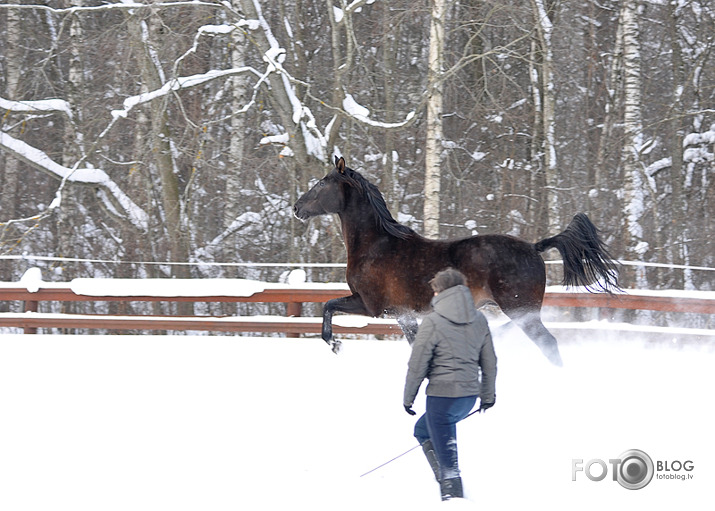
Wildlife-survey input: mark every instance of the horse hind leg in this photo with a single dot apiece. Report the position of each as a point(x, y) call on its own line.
point(521, 299)
point(531, 325)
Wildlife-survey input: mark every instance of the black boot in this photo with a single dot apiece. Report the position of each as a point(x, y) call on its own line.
point(451, 488)
point(428, 449)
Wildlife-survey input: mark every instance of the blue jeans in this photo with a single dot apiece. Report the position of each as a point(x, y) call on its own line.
point(439, 424)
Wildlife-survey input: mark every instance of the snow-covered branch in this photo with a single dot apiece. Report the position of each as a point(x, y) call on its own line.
point(353, 6)
point(88, 176)
point(126, 5)
point(362, 114)
point(176, 84)
point(212, 31)
point(37, 106)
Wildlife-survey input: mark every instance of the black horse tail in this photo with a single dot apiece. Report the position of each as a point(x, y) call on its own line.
point(586, 259)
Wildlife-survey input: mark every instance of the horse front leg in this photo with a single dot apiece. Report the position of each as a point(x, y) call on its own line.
point(352, 304)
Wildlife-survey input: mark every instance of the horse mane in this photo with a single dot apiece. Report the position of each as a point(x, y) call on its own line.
point(377, 202)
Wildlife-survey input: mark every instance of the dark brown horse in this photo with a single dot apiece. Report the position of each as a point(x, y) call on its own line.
point(390, 265)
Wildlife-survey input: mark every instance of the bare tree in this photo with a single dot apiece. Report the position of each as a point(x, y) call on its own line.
point(13, 66)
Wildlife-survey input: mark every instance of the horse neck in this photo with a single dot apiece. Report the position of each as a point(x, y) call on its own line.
point(360, 226)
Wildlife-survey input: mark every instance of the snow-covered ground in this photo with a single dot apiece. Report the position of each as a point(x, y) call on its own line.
point(226, 423)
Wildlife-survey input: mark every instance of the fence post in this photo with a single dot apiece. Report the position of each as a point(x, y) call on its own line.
point(294, 309)
point(31, 306)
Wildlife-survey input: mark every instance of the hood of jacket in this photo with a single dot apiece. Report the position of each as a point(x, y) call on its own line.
point(455, 304)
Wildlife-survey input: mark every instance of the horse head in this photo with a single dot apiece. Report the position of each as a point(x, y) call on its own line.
point(326, 196)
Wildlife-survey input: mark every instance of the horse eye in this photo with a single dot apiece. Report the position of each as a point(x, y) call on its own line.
point(322, 182)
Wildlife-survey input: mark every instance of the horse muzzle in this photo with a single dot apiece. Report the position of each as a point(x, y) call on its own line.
point(299, 213)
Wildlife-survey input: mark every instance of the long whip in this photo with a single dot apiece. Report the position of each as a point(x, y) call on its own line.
point(390, 461)
point(406, 452)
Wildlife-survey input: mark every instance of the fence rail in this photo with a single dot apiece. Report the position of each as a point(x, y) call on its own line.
point(292, 295)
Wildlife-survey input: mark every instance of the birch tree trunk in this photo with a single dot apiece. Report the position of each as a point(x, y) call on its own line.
point(634, 185)
point(239, 91)
point(544, 28)
point(433, 145)
point(239, 96)
point(75, 79)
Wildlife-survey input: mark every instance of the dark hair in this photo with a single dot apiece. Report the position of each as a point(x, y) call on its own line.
point(446, 279)
point(377, 202)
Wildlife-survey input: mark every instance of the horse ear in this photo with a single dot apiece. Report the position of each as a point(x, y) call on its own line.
point(340, 164)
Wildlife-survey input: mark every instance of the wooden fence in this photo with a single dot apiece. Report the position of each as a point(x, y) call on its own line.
point(293, 296)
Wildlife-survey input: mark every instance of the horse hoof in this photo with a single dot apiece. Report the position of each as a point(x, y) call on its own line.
point(555, 358)
point(336, 346)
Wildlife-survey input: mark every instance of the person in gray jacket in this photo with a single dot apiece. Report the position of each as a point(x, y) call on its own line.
point(454, 351)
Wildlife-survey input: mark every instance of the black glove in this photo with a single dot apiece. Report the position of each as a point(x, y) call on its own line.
point(409, 410)
point(483, 407)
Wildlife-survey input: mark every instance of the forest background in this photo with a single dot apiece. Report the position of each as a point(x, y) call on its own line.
point(139, 137)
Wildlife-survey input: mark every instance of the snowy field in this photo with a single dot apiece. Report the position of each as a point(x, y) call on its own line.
point(226, 423)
